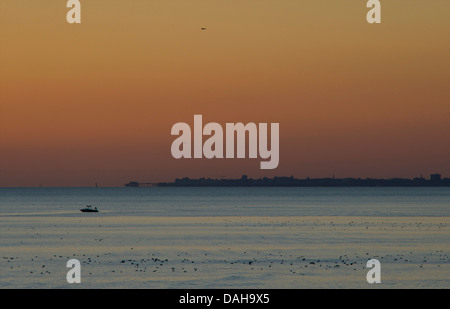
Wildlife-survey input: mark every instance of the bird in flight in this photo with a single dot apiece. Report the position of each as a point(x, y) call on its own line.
point(203, 28)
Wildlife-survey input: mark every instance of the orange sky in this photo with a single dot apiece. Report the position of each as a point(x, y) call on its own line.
point(95, 102)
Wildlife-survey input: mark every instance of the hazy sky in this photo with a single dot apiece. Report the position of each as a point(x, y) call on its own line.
point(95, 102)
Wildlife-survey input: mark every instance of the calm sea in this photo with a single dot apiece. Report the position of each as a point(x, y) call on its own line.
point(225, 237)
point(191, 202)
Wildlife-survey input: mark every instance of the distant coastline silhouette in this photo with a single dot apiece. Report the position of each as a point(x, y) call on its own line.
point(435, 180)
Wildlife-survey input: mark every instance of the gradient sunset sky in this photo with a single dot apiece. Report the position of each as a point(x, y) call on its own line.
point(95, 102)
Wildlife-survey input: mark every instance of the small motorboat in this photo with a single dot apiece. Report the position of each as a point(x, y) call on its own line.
point(89, 209)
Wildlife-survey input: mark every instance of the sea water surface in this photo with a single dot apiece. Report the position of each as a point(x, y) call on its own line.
point(225, 237)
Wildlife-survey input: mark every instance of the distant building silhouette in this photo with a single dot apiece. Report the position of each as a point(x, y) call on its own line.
point(435, 177)
point(435, 181)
